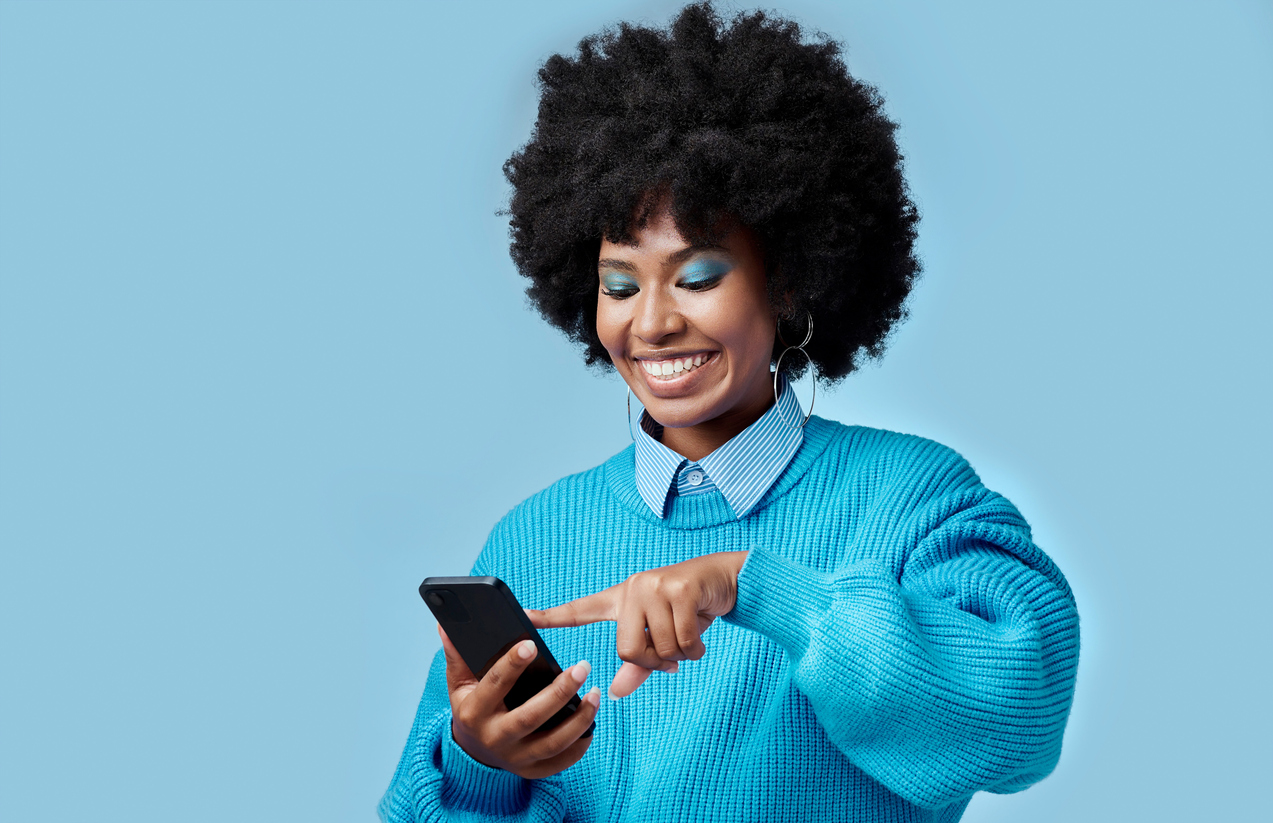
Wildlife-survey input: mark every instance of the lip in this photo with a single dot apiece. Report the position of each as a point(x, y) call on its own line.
point(679, 385)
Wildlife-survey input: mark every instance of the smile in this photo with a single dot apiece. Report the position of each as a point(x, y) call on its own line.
point(679, 376)
point(671, 367)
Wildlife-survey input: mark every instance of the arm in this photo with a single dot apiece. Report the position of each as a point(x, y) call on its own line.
point(438, 780)
point(490, 776)
point(954, 674)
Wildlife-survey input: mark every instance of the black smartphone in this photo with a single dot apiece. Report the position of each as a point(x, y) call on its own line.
point(484, 620)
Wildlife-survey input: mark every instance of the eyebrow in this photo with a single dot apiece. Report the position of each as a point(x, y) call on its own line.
point(611, 263)
point(671, 260)
point(689, 251)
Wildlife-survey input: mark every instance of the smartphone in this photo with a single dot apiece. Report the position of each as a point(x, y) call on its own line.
point(484, 620)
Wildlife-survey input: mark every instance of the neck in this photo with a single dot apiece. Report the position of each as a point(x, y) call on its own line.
point(700, 440)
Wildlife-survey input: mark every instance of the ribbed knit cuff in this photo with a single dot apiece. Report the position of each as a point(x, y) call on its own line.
point(780, 599)
point(473, 786)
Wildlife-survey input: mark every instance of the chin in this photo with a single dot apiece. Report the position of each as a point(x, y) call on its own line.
point(678, 415)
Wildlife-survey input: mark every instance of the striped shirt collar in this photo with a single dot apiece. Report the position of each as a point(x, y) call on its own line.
point(742, 470)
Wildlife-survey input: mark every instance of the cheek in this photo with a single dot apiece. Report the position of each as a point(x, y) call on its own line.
point(609, 328)
point(743, 327)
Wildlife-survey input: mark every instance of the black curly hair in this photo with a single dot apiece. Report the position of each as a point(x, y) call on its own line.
point(744, 123)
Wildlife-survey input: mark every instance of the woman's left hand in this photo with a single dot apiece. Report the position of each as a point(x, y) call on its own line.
point(661, 614)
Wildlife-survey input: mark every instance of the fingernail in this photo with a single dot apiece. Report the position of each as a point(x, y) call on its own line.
point(594, 697)
point(526, 650)
point(610, 692)
point(579, 672)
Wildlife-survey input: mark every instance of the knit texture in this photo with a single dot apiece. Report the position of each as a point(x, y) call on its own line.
point(898, 644)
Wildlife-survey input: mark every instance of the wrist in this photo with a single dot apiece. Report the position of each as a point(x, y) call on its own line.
point(781, 599)
point(471, 785)
point(733, 563)
point(466, 744)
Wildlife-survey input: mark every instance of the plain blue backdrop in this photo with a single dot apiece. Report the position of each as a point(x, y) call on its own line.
point(265, 364)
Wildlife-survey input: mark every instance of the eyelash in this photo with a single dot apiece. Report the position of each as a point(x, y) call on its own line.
point(696, 285)
point(702, 284)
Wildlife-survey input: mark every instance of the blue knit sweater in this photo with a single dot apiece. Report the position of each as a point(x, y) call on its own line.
point(898, 644)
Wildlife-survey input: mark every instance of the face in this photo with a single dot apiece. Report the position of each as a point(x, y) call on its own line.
point(688, 327)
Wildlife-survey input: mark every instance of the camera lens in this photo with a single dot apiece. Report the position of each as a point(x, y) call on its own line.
point(446, 605)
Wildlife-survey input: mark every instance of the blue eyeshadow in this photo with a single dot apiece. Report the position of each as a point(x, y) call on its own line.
point(613, 281)
point(701, 271)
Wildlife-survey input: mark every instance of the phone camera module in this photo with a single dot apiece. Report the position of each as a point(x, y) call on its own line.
point(446, 606)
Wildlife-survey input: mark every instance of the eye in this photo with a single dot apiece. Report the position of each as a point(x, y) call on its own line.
point(702, 275)
point(616, 285)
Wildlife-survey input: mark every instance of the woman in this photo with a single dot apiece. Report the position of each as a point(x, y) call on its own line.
point(696, 207)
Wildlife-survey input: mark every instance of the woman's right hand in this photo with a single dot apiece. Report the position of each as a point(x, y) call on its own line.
point(492, 734)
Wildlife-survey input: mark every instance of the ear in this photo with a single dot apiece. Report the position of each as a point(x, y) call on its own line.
point(785, 311)
point(786, 308)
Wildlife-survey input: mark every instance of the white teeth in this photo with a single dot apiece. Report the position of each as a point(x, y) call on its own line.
point(661, 368)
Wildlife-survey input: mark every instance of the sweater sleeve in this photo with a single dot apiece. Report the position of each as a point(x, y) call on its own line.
point(941, 657)
point(437, 780)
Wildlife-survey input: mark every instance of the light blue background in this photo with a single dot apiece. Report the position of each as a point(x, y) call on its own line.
point(265, 364)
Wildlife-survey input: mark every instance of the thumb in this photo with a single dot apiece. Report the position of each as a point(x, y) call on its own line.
point(630, 676)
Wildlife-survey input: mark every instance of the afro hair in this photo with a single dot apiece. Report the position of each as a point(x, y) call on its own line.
point(739, 123)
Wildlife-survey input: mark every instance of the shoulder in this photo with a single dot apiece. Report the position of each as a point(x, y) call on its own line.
point(916, 481)
point(911, 487)
point(896, 477)
point(889, 457)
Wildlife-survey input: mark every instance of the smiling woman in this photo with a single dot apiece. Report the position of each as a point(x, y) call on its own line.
point(890, 640)
point(690, 329)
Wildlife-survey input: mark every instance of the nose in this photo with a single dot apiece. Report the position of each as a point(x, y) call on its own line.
point(657, 316)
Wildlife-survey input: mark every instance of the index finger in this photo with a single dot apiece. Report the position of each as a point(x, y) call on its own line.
point(591, 609)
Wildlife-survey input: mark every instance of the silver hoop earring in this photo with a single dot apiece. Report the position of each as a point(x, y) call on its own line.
point(630, 434)
point(778, 370)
